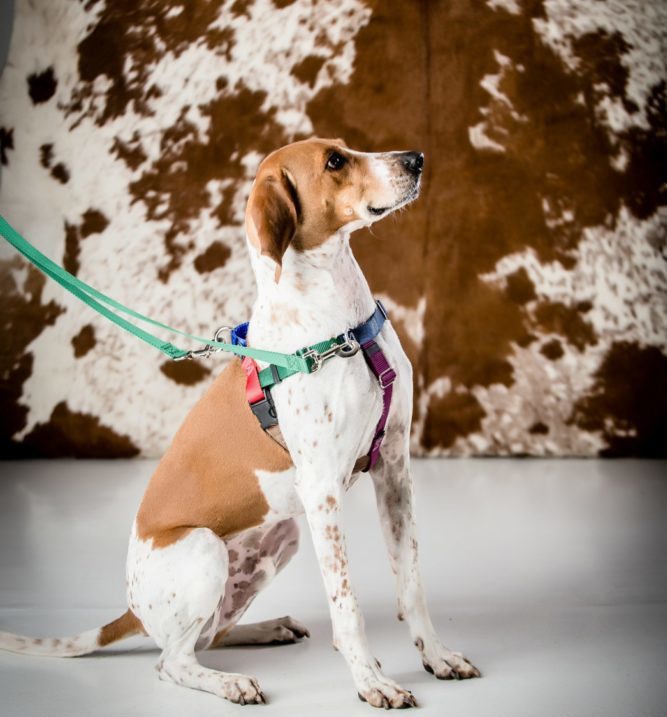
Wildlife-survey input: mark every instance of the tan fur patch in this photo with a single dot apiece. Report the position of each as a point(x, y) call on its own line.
point(207, 477)
point(126, 625)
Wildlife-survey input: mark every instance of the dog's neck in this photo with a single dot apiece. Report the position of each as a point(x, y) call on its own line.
point(320, 293)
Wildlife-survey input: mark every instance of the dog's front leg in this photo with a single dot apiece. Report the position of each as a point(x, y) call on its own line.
point(394, 495)
point(321, 502)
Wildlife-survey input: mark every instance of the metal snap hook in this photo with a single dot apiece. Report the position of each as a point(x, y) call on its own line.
point(349, 348)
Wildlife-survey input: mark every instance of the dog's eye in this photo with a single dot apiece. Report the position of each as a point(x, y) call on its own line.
point(336, 161)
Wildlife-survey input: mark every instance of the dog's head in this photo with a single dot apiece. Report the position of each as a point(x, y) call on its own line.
point(308, 191)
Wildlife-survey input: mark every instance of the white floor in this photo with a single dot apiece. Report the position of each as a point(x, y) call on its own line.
point(550, 575)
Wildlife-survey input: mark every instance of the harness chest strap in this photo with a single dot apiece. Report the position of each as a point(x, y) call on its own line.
point(258, 383)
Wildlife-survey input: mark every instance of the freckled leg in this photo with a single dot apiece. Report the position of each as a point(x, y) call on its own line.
point(394, 496)
point(323, 514)
point(176, 589)
point(255, 556)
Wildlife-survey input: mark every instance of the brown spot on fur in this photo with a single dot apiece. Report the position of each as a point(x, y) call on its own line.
point(125, 626)
point(23, 317)
point(553, 350)
point(60, 173)
point(130, 152)
point(307, 70)
point(69, 433)
point(566, 321)
point(84, 341)
point(186, 373)
point(94, 222)
point(46, 155)
point(627, 402)
point(6, 143)
point(207, 477)
point(215, 256)
point(42, 86)
point(539, 428)
point(244, 591)
point(453, 415)
point(71, 255)
point(219, 636)
point(520, 288)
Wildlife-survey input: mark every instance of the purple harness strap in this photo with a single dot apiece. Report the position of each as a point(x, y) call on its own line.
point(385, 374)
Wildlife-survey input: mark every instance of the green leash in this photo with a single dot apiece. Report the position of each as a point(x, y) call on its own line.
point(306, 360)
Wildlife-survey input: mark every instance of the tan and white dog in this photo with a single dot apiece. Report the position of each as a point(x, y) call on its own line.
point(217, 521)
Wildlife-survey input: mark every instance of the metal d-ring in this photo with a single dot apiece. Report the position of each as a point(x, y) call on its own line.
point(349, 347)
point(216, 335)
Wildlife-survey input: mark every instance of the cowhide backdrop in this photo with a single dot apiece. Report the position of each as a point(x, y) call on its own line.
point(529, 282)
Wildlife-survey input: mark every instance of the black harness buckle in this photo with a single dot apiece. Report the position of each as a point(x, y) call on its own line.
point(265, 410)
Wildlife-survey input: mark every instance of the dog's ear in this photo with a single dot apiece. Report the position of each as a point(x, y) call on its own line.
point(273, 210)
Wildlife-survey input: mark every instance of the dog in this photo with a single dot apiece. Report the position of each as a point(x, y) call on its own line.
point(217, 521)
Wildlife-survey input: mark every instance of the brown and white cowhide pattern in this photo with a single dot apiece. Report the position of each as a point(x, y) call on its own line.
point(529, 283)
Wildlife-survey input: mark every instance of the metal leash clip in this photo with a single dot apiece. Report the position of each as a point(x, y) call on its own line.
point(347, 349)
point(208, 349)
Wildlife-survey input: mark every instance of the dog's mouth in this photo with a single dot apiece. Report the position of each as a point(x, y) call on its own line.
point(406, 199)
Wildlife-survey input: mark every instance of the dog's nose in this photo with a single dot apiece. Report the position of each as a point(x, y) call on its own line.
point(413, 162)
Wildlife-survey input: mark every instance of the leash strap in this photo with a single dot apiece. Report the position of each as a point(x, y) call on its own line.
point(289, 363)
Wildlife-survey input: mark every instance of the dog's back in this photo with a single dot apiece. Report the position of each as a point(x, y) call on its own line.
point(207, 478)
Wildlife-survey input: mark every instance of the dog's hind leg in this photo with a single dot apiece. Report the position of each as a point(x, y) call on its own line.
point(394, 496)
point(280, 631)
point(177, 590)
point(255, 557)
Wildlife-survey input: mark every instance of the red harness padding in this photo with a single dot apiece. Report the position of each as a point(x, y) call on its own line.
point(253, 389)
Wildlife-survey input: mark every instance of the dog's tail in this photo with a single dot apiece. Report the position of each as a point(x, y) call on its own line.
point(82, 644)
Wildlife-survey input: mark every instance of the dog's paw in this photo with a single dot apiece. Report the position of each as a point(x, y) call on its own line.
point(242, 689)
point(287, 630)
point(450, 666)
point(385, 693)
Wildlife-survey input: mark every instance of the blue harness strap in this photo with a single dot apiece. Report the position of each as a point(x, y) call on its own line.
point(371, 327)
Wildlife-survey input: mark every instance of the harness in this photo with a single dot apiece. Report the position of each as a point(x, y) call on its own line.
point(258, 384)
